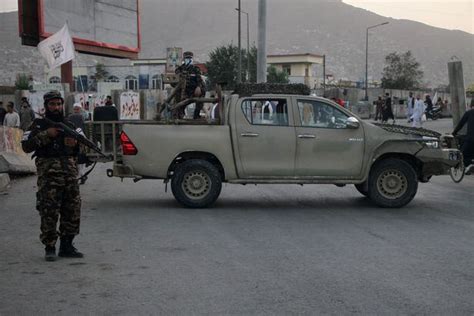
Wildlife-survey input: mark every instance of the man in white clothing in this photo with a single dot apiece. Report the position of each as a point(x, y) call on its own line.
point(418, 111)
point(12, 119)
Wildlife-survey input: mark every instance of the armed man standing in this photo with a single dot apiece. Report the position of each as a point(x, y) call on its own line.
point(195, 86)
point(58, 196)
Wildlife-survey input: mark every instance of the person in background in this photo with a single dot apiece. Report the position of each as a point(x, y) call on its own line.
point(76, 116)
point(428, 103)
point(379, 108)
point(27, 115)
point(108, 112)
point(418, 111)
point(77, 119)
point(12, 119)
point(467, 147)
point(410, 106)
point(387, 112)
point(3, 112)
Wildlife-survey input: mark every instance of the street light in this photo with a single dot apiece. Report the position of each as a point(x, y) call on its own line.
point(367, 57)
point(239, 73)
point(248, 44)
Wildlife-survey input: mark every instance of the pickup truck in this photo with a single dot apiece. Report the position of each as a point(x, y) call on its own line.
point(281, 139)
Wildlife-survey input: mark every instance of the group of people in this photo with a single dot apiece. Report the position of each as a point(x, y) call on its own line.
point(416, 108)
point(9, 117)
point(383, 109)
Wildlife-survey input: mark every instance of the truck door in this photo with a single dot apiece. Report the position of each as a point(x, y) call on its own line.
point(265, 138)
point(325, 144)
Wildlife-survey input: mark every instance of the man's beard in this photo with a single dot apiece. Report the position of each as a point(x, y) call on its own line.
point(56, 116)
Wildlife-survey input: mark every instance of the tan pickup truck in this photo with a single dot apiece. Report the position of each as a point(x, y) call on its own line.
point(289, 139)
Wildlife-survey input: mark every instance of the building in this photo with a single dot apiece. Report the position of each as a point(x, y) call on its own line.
point(135, 75)
point(301, 68)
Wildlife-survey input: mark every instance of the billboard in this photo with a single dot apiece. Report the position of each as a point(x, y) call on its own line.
point(100, 27)
point(173, 59)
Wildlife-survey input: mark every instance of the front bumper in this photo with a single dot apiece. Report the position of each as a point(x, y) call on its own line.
point(438, 161)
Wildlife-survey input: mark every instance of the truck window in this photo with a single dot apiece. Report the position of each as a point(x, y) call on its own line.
point(266, 111)
point(320, 115)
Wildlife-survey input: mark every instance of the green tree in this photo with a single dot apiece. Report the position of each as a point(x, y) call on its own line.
point(470, 89)
point(401, 71)
point(276, 76)
point(100, 72)
point(22, 82)
point(222, 66)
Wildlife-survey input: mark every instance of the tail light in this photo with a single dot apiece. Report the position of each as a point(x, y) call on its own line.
point(128, 148)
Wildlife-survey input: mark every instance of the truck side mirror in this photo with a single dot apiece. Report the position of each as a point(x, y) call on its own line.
point(352, 123)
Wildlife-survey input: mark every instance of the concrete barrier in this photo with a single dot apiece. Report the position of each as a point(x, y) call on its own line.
point(13, 159)
point(4, 181)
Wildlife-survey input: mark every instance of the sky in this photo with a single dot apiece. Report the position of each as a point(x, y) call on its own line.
point(448, 14)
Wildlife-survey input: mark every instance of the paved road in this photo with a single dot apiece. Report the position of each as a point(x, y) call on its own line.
point(274, 249)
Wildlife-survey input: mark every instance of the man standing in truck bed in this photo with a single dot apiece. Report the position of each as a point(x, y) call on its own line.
point(194, 83)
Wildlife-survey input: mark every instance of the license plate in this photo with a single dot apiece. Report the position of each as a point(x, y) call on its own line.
point(454, 156)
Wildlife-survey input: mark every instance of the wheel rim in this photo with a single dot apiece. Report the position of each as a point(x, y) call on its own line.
point(457, 173)
point(392, 184)
point(196, 185)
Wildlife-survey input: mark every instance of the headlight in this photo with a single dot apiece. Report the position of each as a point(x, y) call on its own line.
point(431, 142)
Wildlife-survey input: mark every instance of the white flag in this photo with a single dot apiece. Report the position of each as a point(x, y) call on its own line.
point(58, 48)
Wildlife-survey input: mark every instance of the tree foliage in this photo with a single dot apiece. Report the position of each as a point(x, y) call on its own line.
point(276, 76)
point(223, 66)
point(401, 71)
point(22, 82)
point(100, 72)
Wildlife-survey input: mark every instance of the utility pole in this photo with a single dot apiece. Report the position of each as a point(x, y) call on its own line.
point(367, 58)
point(262, 42)
point(457, 90)
point(324, 75)
point(248, 44)
point(239, 73)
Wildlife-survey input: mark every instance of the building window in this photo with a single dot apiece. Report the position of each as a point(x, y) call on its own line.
point(131, 83)
point(156, 82)
point(112, 79)
point(55, 79)
point(287, 69)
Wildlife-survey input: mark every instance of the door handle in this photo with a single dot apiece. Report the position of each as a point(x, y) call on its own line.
point(249, 135)
point(306, 136)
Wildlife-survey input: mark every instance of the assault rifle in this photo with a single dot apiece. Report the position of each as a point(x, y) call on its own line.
point(69, 132)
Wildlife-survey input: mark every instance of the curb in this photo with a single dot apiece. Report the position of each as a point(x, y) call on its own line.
point(4, 181)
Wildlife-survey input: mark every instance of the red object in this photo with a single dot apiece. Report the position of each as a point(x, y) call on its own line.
point(340, 102)
point(128, 148)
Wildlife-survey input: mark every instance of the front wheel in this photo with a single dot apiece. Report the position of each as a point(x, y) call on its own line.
point(393, 183)
point(457, 173)
point(196, 183)
point(362, 188)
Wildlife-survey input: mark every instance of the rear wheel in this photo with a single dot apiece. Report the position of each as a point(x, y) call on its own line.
point(392, 183)
point(196, 183)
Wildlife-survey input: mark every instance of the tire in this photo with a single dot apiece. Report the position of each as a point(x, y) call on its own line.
point(457, 173)
point(196, 183)
point(393, 183)
point(362, 188)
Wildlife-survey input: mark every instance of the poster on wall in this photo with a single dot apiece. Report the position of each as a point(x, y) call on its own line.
point(173, 58)
point(129, 105)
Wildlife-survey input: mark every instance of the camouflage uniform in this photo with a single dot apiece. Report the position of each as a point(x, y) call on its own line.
point(193, 80)
point(58, 194)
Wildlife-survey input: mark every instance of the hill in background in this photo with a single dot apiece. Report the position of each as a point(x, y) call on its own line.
point(328, 27)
